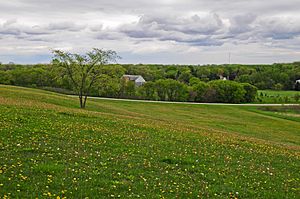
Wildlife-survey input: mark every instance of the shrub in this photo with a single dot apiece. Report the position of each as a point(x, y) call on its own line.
point(201, 91)
point(228, 91)
point(278, 87)
point(297, 97)
point(171, 90)
point(251, 92)
point(148, 91)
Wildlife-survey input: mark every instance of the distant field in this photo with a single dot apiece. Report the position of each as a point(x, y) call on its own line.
point(51, 148)
point(272, 96)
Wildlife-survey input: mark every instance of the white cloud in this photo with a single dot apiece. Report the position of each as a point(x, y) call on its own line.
point(168, 31)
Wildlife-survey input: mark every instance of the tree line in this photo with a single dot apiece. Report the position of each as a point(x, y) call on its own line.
point(164, 82)
point(196, 91)
point(274, 77)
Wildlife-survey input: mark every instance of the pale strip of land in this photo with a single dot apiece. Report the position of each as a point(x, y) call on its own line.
point(190, 103)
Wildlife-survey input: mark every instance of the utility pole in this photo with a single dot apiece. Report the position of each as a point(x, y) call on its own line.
point(229, 57)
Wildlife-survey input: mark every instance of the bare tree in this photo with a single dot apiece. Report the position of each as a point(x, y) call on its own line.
point(83, 70)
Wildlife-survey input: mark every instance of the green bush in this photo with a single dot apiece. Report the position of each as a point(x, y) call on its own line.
point(251, 92)
point(228, 91)
point(171, 90)
point(200, 89)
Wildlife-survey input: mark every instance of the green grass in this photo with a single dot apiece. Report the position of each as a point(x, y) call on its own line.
point(49, 147)
point(272, 96)
point(284, 109)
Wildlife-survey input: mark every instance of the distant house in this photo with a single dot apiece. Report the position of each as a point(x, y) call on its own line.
point(222, 78)
point(138, 79)
point(297, 85)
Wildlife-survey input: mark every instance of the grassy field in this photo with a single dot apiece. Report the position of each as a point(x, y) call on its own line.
point(272, 96)
point(49, 148)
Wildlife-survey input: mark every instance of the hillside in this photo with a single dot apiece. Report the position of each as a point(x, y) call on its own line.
point(51, 148)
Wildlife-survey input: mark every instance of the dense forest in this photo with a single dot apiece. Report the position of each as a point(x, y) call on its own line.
point(166, 82)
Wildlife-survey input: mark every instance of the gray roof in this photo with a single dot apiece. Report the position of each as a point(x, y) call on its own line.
point(134, 77)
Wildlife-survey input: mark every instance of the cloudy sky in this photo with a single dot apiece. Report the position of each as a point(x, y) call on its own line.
point(156, 31)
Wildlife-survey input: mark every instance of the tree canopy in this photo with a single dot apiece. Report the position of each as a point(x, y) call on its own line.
point(82, 70)
point(195, 82)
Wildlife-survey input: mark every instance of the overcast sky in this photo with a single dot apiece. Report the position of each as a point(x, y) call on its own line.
point(155, 31)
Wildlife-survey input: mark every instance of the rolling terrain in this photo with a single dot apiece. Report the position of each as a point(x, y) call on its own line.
point(50, 148)
point(279, 97)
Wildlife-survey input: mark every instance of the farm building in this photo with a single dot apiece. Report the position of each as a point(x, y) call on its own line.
point(297, 85)
point(223, 78)
point(138, 79)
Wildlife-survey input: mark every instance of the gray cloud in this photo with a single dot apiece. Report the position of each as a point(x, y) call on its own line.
point(242, 23)
point(138, 27)
point(13, 27)
point(66, 26)
point(280, 28)
point(192, 30)
point(213, 30)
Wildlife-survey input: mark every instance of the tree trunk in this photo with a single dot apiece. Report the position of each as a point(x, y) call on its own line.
point(81, 101)
point(84, 101)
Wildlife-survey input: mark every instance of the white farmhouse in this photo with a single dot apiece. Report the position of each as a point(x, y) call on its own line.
point(138, 79)
point(222, 78)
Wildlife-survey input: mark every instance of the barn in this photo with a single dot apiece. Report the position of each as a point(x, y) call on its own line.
point(138, 79)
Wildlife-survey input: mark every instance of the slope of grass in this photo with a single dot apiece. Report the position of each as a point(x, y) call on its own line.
point(272, 96)
point(50, 148)
point(280, 93)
